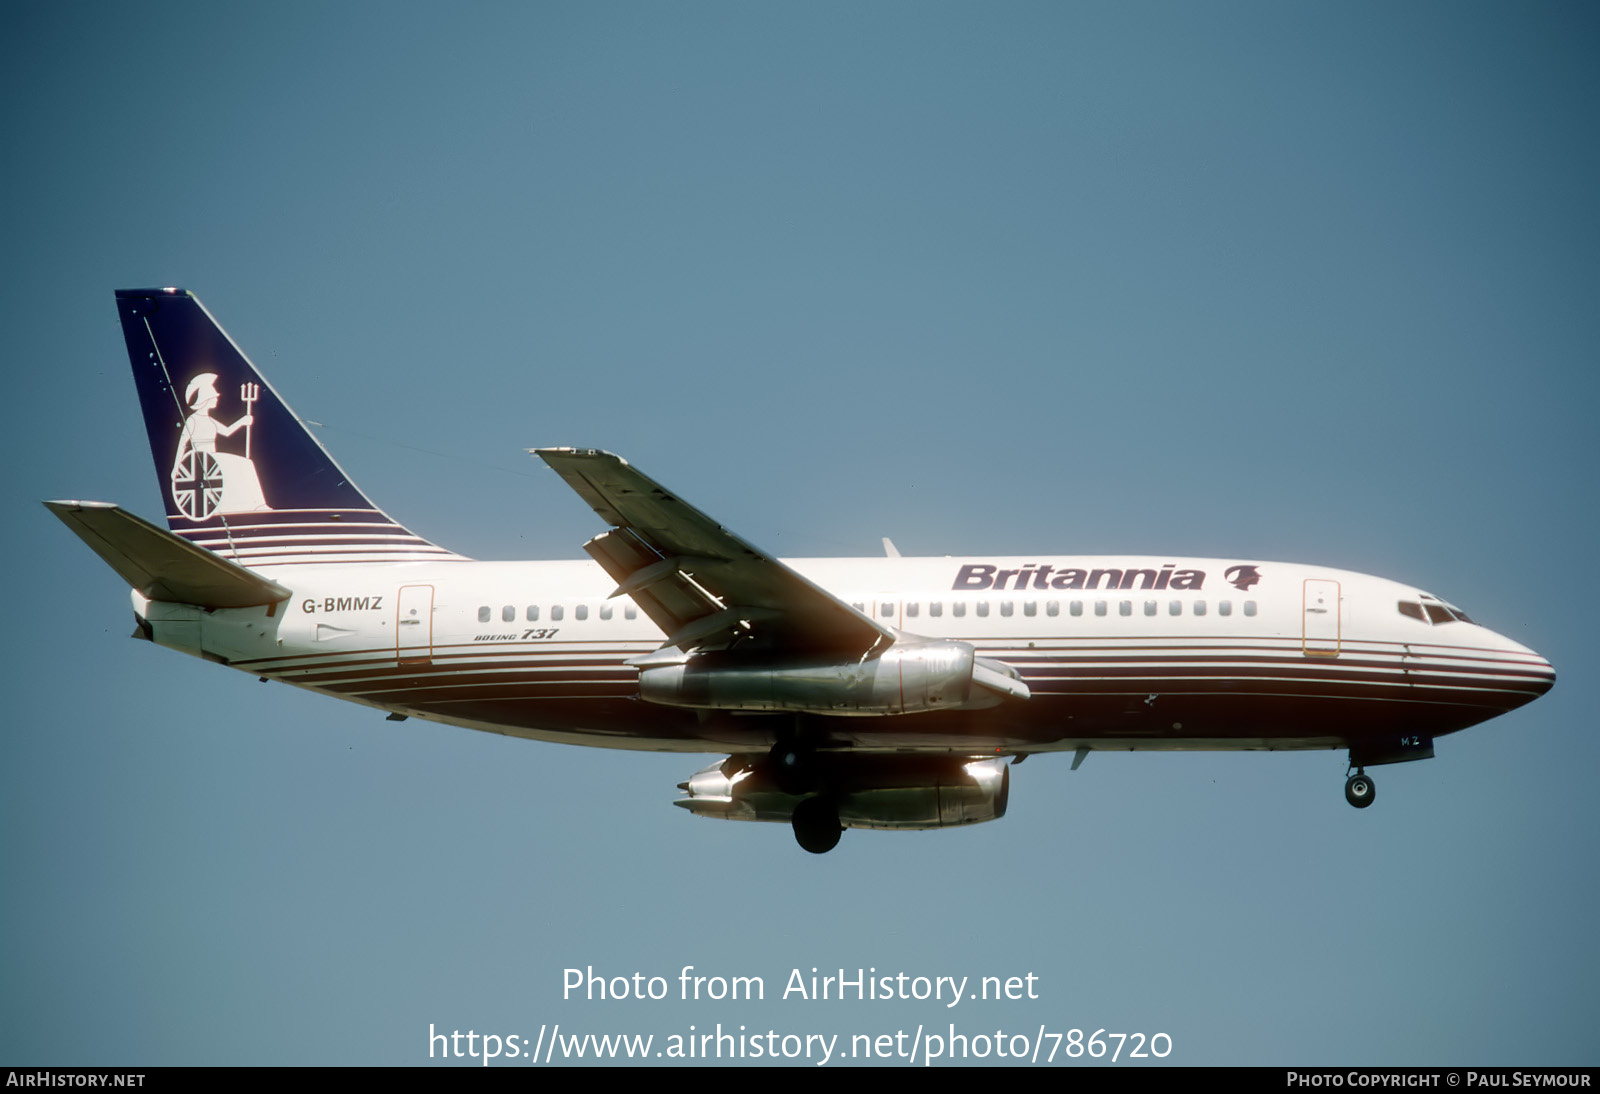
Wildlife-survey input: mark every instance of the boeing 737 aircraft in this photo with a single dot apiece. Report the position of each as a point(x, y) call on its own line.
point(845, 693)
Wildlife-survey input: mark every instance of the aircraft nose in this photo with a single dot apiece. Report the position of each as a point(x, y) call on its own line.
point(1546, 678)
point(1535, 673)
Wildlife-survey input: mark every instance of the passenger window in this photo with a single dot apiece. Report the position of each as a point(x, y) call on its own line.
point(1125, 607)
point(483, 614)
point(983, 607)
point(1249, 607)
point(556, 613)
point(1224, 607)
point(1052, 607)
point(1099, 607)
point(936, 609)
point(533, 613)
point(1076, 607)
point(886, 610)
point(508, 614)
point(605, 611)
point(912, 609)
point(581, 612)
point(1005, 607)
point(630, 612)
point(1031, 607)
point(1149, 607)
point(959, 608)
point(1199, 607)
point(1175, 608)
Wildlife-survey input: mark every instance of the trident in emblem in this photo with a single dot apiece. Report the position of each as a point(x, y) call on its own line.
point(249, 393)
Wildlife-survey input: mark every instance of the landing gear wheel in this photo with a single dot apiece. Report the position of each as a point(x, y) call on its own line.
point(816, 825)
point(793, 768)
point(1359, 790)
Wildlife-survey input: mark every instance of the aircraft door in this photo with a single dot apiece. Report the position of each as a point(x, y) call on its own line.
point(1320, 636)
point(413, 632)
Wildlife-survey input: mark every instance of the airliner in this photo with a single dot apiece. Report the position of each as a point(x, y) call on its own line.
point(887, 693)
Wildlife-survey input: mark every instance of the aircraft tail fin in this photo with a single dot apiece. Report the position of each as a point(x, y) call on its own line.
point(241, 474)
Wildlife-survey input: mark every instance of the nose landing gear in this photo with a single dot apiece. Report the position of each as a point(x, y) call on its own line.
point(1359, 789)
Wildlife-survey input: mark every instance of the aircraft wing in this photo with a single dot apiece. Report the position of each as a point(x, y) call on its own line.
point(701, 584)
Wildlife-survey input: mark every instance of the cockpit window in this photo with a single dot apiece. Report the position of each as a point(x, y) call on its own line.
point(1432, 610)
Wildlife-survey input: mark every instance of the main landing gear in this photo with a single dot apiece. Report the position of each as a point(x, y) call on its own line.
point(795, 769)
point(816, 824)
point(1359, 789)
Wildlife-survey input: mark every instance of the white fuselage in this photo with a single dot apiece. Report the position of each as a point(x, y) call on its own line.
point(1118, 652)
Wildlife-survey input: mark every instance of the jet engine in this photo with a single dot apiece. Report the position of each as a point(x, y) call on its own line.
point(856, 791)
point(907, 678)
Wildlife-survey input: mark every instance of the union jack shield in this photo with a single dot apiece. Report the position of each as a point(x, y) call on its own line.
point(197, 485)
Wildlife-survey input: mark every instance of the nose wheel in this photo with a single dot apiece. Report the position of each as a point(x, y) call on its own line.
point(1359, 789)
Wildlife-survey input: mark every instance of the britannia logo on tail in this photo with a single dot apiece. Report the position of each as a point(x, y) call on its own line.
point(207, 482)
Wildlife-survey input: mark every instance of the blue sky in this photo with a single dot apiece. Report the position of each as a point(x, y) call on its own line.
point(1302, 282)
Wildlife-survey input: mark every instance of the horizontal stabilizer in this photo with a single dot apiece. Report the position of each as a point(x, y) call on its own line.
point(160, 565)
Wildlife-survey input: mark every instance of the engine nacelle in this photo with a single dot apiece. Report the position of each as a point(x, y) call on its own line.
point(907, 678)
point(888, 792)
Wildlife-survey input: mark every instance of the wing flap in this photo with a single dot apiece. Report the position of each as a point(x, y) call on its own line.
point(158, 564)
point(656, 584)
point(701, 584)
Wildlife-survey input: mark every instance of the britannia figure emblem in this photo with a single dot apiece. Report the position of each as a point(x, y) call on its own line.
point(206, 481)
